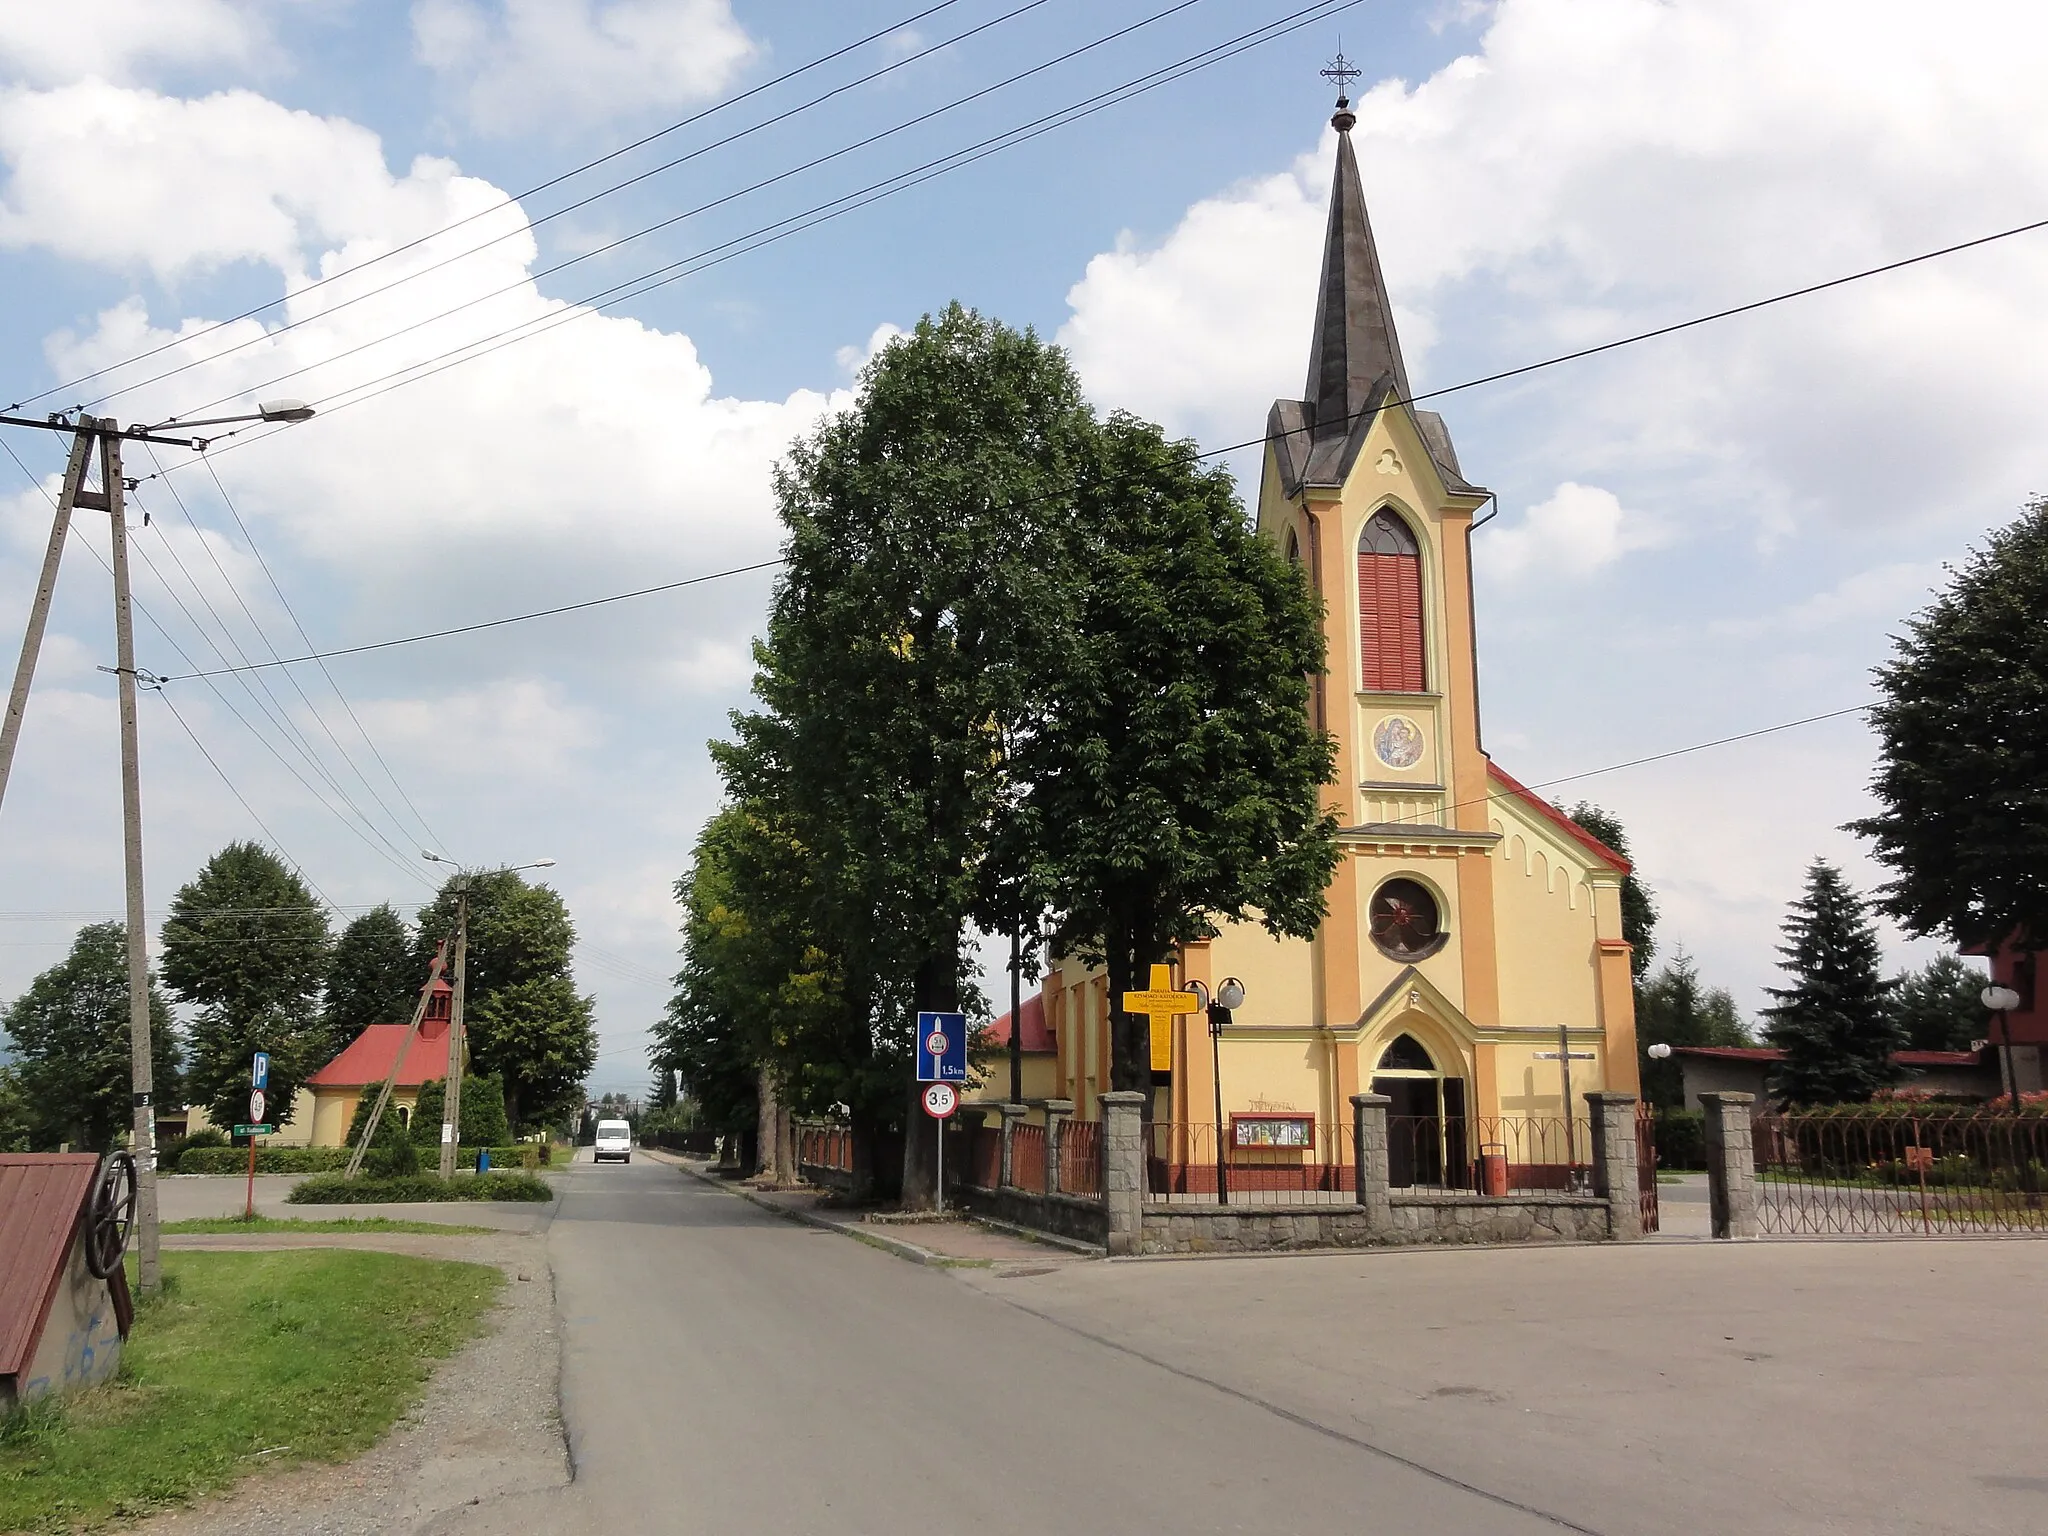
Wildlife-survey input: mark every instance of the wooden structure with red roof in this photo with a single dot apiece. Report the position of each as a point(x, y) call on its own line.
point(61, 1325)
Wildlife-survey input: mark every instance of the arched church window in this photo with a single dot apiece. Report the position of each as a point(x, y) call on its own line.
point(1406, 1054)
point(1293, 547)
point(1390, 606)
point(1405, 921)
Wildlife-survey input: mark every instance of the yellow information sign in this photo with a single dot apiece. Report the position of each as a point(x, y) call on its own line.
point(1161, 1005)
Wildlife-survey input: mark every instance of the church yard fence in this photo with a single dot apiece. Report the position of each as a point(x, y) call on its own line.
point(1889, 1170)
point(1298, 1161)
point(825, 1146)
point(1027, 1157)
point(1081, 1158)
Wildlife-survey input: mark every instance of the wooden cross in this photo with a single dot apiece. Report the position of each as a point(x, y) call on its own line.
point(1160, 1005)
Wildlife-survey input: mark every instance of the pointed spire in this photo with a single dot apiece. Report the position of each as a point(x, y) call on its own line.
point(1355, 348)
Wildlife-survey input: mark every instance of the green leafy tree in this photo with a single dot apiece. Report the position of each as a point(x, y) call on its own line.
point(1673, 1007)
point(483, 1113)
point(527, 1025)
point(923, 590)
point(1171, 774)
point(69, 1034)
point(1937, 1007)
point(1638, 906)
point(1962, 756)
point(1835, 1022)
point(16, 1128)
point(373, 977)
point(517, 932)
point(537, 1037)
point(246, 945)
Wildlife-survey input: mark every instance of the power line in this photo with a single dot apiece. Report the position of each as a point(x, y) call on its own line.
point(1228, 448)
point(433, 837)
point(278, 713)
point(298, 867)
point(529, 279)
point(213, 687)
point(519, 197)
point(769, 234)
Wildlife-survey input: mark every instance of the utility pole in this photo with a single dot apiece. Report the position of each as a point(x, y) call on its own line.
point(451, 1099)
point(39, 608)
point(107, 435)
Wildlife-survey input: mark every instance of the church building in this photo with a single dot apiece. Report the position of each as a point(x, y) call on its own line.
point(1472, 958)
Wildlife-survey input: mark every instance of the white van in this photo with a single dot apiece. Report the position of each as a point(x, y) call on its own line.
point(614, 1139)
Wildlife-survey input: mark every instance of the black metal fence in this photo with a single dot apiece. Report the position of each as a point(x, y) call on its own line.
point(1879, 1171)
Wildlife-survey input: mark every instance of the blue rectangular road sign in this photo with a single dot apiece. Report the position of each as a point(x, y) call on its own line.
point(942, 1047)
point(259, 1070)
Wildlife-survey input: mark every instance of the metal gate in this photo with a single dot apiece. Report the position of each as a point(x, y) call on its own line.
point(1646, 1163)
point(1901, 1170)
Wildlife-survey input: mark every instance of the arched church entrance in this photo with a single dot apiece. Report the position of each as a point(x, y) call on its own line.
point(1426, 1141)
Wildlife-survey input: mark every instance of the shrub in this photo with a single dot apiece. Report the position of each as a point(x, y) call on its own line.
point(1681, 1138)
point(419, 1187)
point(208, 1136)
point(268, 1160)
point(483, 1113)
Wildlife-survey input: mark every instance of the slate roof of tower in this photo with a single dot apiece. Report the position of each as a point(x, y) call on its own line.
point(1355, 364)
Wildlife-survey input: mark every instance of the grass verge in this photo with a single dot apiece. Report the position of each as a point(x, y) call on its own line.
point(245, 1360)
point(235, 1225)
point(333, 1189)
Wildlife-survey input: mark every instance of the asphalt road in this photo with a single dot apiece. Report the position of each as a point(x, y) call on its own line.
point(726, 1370)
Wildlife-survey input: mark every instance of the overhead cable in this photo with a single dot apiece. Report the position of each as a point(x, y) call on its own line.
point(518, 197)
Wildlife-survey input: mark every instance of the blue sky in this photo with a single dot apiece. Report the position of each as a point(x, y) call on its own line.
point(1697, 537)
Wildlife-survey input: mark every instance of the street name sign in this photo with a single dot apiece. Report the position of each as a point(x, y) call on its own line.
point(942, 1047)
point(255, 1130)
point(1160, 1005)
point(940, 1100)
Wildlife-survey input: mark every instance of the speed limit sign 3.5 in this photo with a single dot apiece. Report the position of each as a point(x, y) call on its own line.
point(940, 1100)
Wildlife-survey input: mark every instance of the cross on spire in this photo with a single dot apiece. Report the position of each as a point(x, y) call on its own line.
point(1341, 71)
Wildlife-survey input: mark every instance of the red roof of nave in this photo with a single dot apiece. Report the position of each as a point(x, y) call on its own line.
point(1036, 1036)
point(1558, 819)
point(367, 1058)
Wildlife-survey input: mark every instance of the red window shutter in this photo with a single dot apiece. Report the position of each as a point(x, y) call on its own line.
point(1390, 622)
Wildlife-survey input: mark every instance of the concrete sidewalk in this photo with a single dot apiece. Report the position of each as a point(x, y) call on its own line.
point(954, 1241)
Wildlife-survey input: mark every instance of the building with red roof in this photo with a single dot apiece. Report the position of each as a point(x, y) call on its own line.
point(367, 1060)
point(1040, 1059)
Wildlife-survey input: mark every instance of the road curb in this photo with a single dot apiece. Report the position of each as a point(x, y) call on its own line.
point(891, 1245)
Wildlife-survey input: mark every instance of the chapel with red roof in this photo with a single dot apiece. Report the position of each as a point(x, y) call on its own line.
point(367, 1060)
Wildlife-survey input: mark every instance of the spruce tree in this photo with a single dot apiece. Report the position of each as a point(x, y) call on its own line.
point(1835, 1022)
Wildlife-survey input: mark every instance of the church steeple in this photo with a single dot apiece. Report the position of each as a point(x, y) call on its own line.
point(1355, 350)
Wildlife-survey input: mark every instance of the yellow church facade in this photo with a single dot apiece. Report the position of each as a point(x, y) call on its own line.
point(1472, 956)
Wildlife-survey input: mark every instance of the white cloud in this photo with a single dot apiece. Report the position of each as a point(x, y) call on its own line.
point(852, 359)
point(1580, 529)
point(116, 39)
point(103, 174)
point(526, 65)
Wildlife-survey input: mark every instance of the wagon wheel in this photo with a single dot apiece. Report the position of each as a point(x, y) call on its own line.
point(111, 1214)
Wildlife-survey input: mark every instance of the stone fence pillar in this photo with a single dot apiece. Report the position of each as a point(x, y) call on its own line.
point(1369, 1156)
point(1616, 1178)
point(1013, 1116)
point(1057, 1113)
point(1731, 1163)
point(1123, 1168)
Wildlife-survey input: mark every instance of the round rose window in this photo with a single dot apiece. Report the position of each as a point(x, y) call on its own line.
point(1406, 923)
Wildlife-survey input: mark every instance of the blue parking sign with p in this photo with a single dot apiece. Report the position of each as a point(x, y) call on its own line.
point(259, 1070)
point(942, 1047)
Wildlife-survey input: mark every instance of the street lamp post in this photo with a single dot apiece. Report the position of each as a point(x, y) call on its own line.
point(451, 1088)
point(1229, 996)
point(2001, 1001)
